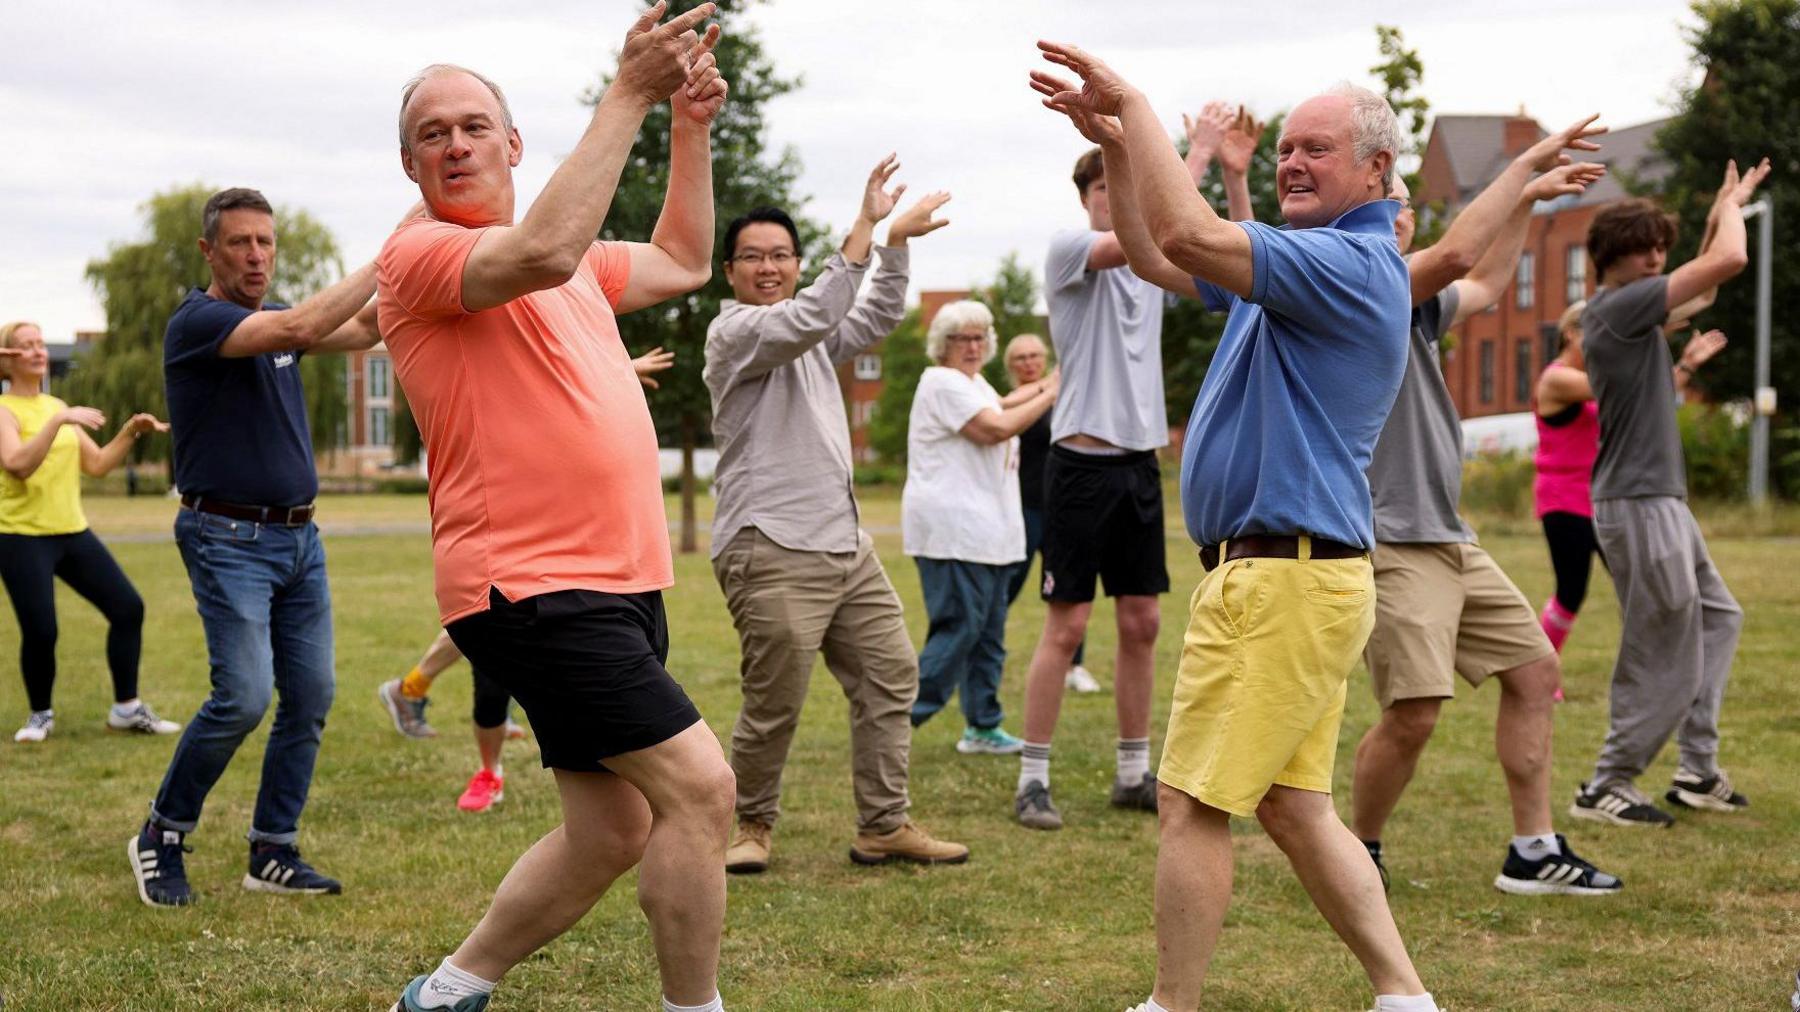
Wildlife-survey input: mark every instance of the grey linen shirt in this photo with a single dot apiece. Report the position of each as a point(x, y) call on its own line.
point(778, 411)
point(1415, 476)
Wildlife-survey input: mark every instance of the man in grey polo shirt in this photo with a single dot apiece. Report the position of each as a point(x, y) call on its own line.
point(1679, 622)
point(798, 574)
point(1442, 606)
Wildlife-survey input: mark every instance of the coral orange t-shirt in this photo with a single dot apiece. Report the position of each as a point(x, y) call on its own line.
point(544, 471)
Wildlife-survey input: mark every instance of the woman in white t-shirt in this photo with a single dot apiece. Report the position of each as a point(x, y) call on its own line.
point(960, 518)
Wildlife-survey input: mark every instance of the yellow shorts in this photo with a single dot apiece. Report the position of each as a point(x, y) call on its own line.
point(1260, 691)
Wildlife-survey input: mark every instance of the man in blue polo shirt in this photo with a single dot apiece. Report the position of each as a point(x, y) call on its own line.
point(244, 465)
point(1274, 493)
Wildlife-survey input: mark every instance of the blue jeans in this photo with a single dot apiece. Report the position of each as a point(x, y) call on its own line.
point(1034, 539)
point(966, 645)
point(262, 597)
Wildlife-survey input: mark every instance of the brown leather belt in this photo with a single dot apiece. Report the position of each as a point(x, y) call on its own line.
point(1276, 546)
point(282, 516)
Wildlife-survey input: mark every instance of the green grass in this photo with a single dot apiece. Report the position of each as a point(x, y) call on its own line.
point(1034, 921)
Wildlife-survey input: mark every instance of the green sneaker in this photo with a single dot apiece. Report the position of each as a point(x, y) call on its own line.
point(989, 741)
point(409, 1000)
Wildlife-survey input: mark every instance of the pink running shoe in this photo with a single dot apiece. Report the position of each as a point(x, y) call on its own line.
point(483, 791)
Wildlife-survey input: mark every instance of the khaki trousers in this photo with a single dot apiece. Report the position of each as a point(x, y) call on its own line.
point(787, 606)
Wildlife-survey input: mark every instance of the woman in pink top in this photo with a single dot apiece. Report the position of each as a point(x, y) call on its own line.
point(1568, 440)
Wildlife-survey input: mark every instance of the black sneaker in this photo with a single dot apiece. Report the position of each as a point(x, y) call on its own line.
point(1619, 805)
point(1714, 793)
point(1562, 874)
point(278, 869)
point(1141, 795)
point(155, 855)
point(1034, 808)
point(1374, 849)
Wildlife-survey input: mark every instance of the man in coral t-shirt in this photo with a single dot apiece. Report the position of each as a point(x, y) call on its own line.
point(548, 532)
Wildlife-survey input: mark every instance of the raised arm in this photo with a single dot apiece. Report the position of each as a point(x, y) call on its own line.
point(1488, 280)
point(1559, 388)
point(880, 310)
point(1728, 255)
point(1236, 151)
point(1480, 224)
point(546, 247)
point(98, 461)
point(990, 426)
point(22, 457)
point(1205, 131)
point(305, 326)
point(678, 257)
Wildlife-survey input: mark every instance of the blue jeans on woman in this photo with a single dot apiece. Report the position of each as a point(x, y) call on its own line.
point(966, 645)
point(266, 607)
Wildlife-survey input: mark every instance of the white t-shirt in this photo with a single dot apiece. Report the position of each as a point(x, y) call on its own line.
point(962, 498)
point(1107, 328)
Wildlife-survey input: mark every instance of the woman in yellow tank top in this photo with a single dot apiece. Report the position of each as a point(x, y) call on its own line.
point(44, 450)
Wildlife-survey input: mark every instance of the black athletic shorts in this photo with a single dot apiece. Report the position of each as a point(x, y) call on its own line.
point(587, 666)
point(1103, 516)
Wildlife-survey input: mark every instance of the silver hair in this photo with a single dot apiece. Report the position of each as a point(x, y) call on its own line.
point(954, 317)
point(434, 70)
point(1374, 127)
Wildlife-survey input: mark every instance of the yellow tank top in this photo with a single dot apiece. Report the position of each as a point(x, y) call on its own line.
point(48, 502)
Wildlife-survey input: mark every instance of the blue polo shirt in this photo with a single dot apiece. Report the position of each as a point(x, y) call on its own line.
point(1303, 380)
point(238, 425)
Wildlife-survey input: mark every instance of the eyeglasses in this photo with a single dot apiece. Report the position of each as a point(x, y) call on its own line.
point(965, 338)
point(780, 258)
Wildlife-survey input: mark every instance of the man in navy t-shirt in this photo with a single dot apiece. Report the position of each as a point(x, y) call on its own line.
point(244, 465)
point(1273, 490)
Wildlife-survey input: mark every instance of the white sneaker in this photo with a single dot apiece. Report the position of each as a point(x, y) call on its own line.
point(141, 720)
point(1080, 679)
point(37, 727)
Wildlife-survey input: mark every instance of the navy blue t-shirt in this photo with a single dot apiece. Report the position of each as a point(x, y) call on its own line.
point(238, 425)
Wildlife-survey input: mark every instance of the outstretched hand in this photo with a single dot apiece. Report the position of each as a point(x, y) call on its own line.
point(653, 361)
point(1207, 128)
point(917, 220)
point(86, 417)
point(1096, 128)
point(1701, 348)
point(878, 201)
point(657, 58)
point(1548, 153)
point(143, 422)
point(704, 94)
point(1239, 145)
point(1564, 181)
point(1103, 91)
point(1737, 190)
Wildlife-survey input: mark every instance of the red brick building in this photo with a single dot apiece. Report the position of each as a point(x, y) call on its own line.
point(861, 378)
point(1491, 363)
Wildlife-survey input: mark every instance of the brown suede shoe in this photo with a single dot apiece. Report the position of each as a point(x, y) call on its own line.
point(908, 843)
point(749, 850)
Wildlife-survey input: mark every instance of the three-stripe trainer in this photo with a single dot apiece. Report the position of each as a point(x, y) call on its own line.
point(279, 870)
point(1564, 873)
point(1619, 805)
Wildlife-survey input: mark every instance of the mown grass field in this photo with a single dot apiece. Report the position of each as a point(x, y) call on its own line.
point(1710, 918)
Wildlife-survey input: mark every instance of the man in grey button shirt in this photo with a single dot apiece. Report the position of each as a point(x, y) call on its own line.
point(1679, 623)
point(1443, 607)
point(798, 574)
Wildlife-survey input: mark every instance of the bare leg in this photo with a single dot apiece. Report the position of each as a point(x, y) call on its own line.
point(1522, 734)
point(1134, 679)
point(1385, 760)
point(1065, 625)
point(439, 655)
point(488, 741)
point(1193, 888)
point(1342, 881)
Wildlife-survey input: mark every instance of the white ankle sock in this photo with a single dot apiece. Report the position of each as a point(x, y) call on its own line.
point(126, 709)
point(1405, 1003)
point(1150, 1005)
point(1134, 760)
point(447, 985)
point(1534, 847)
point(716, 1005)
point(1034, 764)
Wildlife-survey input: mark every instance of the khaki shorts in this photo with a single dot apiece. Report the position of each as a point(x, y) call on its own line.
point(1442, 611)
point(1260, 691)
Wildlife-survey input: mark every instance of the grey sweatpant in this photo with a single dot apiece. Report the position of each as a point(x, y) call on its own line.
point(1679, 631)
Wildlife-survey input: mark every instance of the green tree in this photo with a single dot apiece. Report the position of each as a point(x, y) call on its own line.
point(902, 363)
point(746, 175)
point(140, 283)
point(1401, 73)
point(1012, 296)
point(1744, 108)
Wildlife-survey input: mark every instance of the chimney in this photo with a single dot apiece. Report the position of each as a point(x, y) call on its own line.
point(1520, 132)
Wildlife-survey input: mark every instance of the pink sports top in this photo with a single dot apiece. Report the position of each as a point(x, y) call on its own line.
point(1568, 442)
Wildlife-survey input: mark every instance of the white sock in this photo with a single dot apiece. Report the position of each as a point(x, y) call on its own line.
point(447, 985)
point(126, 708)
point(1134, 760)
point(1405, 1003)
point(716, 1005)
point(1150, 1005)
point(1034, 764)
point(1534, 847)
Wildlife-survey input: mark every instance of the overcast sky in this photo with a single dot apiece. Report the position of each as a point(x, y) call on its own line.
point(108, 102)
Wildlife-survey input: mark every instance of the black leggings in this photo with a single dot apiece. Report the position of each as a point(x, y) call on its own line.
point(28, 564)
point(1572, 550)
point(491, 701)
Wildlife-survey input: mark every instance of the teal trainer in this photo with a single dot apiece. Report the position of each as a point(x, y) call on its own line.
point(989, 741)
point(409, 1000)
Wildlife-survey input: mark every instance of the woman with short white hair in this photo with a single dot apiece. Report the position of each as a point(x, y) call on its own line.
point(961, 521)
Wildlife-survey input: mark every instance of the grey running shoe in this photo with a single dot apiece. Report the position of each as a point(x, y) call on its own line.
point(1034, 808)
point(142, 720)
point(1712, 794)
point(1139, 795)
point(37, 726)
point(408, 713)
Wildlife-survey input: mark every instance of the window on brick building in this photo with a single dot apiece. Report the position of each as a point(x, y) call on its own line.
point(1524, 281)
point(1522, 372)
point(1487, 372)
point(1575, 274)
point(868, 367)
point(379, 370)
point(1552, 341)
point(380, 431)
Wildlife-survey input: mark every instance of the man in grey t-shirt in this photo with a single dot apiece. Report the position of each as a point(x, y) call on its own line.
point(1442, 607)
point(1679, 623)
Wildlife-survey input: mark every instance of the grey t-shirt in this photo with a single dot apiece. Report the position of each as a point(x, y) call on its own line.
point(1415, 476)
point(1632, 373)
point(1107, 328)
